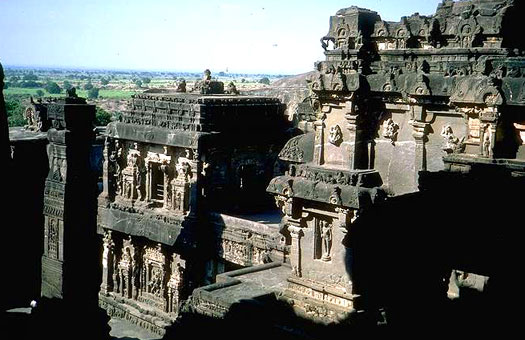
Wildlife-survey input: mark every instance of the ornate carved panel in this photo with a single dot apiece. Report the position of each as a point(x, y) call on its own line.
point(154, 278)
point(52, 234)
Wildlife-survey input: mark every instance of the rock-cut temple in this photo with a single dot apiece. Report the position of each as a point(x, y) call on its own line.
point(389, 203)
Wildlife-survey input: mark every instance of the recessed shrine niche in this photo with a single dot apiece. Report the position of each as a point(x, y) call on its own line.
point(158, 169)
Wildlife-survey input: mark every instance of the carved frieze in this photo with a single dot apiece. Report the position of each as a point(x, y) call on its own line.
point(52, 235)
point(307, 290)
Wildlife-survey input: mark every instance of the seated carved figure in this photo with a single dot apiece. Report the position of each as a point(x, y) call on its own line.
point(181, 87)
point(207, 85)
point(232, 89)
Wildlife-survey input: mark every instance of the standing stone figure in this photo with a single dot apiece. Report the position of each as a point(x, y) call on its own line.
point(326, 235)
point(487, 140)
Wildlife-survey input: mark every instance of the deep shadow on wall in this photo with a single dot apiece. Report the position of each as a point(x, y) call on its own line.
point(23, 218)
point(403, 252)
point(405, 248)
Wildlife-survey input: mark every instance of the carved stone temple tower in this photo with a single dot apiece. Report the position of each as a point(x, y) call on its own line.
point(171, 165)
point(408, 123)
point(438, 98)
point(70, 265)
point(331, 176)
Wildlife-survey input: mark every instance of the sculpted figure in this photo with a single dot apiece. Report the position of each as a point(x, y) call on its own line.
point(232, 89)
point(181, 87)
point(206, 77)
point(487, 141)
point(72, 93)
point(390, 130)
point(336, 135)
point(326, 235)
point(452, 143)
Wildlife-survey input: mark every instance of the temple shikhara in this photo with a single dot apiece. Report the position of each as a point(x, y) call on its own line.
point(389, 198)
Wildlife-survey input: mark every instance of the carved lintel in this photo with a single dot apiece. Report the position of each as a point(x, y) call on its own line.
point(489, 115)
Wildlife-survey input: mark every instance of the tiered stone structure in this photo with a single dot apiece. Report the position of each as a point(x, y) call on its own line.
point(406, 118)
point(396, 106)
point(392, 100)
point(171, 160)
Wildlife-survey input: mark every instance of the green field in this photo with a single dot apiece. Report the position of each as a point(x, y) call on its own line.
point(107, 94)
point(113, 86)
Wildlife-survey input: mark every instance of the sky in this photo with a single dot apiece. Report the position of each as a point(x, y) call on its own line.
point(237, 36)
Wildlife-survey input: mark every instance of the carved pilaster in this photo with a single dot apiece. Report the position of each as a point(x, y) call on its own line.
point(106, 180)
point(175, 284)
point(420, 134)
point(108, 265)
point(358, 148)
point(319, 140)
point(149, 180)
point(296, 233)
point(164, 169)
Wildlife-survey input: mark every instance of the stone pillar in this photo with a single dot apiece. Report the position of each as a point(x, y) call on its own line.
point(72, 255)
point(358, 148)
point(319, 140)
point(107, 190)
point(296, 233)
point(420, 132)
point(108, 263)
point(149, 180)
point(166, 180)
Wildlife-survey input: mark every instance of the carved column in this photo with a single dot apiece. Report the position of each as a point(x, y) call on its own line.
point(296, 233)
point(319, 140)
point(149, 180)
point(358, 148)
point(420, 133)
point(107, 191)
point(71, 266)
point(108, 263)
point(115, 271)
point(135, 273)
point(164, 169)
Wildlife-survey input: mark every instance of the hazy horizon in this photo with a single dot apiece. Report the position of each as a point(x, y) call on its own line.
point(255, 37)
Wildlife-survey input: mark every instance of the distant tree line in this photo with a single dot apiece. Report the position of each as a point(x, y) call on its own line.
point(15, 110)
